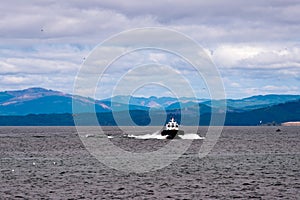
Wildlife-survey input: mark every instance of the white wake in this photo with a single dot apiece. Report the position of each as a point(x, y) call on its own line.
point(191, 136)
point(157, 135)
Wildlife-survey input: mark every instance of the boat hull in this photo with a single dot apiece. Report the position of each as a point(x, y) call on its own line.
point(171, 134)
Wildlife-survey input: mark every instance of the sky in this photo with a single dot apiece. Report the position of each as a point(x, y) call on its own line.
point(255, 45)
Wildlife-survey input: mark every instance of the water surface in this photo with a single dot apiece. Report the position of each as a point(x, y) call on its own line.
point(246, 162)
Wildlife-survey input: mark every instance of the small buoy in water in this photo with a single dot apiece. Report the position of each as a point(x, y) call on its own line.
point(12, 170)
point(33, 163)
point(278, 130)
point(54, 163)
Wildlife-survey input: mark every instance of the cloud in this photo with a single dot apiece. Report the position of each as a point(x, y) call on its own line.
point(232, 55)
point(206, 21)
point(166, 77)
point(63, 23)
point(253, 43)
point(271, 89)
point(259, 64)
point(37, 66)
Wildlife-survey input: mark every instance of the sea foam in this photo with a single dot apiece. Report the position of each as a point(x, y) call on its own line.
point(157, 135)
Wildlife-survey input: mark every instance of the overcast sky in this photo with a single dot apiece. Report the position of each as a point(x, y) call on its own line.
point(254, 44)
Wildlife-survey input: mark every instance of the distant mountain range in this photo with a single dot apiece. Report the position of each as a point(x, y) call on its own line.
point(39, 106)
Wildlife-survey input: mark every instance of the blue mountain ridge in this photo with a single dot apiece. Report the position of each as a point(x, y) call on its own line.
point(44, 101)
point(39, 103)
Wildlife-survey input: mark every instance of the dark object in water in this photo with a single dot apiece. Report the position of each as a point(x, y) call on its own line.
point(172, 130)
point(278, 130)
point(39, 136)
point(171, 134)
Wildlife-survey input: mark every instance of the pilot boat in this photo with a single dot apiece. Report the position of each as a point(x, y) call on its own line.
point(172, 129)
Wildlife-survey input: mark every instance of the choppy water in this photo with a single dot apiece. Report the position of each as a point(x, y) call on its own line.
point(247, 162)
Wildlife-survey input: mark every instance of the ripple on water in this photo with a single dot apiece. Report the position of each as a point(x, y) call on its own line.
point(246, 162)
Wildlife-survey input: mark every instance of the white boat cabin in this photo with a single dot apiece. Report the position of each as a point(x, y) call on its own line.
point(172, 125)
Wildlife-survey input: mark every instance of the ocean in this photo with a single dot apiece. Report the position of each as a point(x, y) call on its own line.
point(56, 163)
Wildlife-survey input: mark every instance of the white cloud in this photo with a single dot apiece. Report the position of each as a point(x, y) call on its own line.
point(37, 66)
point(273, 89)
point(259, 65)
point(252, 42)
point(157, 57)
point(232, 55)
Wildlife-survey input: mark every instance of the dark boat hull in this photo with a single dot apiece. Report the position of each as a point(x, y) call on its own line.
point(171, 134)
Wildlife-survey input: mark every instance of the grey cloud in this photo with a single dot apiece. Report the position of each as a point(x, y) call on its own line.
point(222, 20)
point(52, 38)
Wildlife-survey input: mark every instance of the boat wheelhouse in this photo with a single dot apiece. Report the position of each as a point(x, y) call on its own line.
point(172, 129)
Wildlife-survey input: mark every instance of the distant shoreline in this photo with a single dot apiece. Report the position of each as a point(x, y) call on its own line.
point(106, 119)
point(297, 123)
